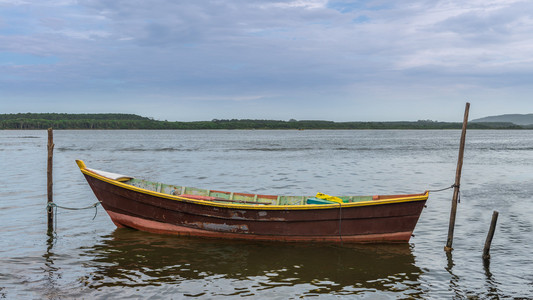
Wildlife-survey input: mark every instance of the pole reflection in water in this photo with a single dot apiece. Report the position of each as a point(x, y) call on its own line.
point(454, 279)
point(52, 273)
point(492, 290)
point(133, 258)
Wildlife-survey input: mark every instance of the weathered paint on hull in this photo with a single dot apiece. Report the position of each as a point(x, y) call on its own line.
point(392, 222)
point(122, 220)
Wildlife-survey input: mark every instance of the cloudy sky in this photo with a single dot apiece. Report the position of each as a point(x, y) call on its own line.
point(316, 59)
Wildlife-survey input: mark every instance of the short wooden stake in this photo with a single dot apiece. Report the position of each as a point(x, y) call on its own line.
point(490, 235)
point(49, 178)
point(449, 242)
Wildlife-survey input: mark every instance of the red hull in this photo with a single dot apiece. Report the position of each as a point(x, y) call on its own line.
point(376, 221)
point(122, 220)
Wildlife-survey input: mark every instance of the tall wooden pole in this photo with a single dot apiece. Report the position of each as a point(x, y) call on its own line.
point(49, 178)
point(449, 242)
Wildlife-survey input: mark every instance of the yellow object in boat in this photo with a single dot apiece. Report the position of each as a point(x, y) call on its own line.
point(328, 197)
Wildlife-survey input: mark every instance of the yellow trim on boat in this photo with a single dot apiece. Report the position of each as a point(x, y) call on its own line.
point(84, 170)
point(81, 164)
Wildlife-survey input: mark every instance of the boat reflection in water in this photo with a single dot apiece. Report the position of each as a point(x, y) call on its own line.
point(196, 266)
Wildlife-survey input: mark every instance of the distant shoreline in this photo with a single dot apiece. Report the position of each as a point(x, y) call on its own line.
point(36, 121)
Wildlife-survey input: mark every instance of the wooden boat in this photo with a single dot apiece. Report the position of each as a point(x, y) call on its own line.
point(185, 211)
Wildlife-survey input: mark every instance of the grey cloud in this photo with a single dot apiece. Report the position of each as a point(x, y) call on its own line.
point(248, 49)
point(491, 26)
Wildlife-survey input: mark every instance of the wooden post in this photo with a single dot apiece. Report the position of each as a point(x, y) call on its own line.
point(49, 178)
point(449, 242)
point(490, 235)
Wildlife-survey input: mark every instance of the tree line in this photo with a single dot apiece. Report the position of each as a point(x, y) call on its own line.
point(131, 121)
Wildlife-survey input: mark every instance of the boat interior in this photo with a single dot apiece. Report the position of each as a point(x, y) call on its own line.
point(244, 198)
point(240, 198)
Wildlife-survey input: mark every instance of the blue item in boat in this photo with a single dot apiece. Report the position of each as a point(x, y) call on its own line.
point(316, 200)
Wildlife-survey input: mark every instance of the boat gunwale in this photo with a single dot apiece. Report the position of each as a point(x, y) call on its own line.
point(411, 198)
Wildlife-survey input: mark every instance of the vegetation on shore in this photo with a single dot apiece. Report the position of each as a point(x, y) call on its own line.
point(131, 121)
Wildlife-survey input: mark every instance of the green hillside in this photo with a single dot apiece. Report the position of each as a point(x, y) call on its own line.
point(518, 119)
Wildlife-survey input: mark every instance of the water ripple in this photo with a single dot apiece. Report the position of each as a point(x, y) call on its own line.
point(92, 259)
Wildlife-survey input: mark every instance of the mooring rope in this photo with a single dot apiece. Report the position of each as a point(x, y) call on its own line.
point(73, 208)
point(52, 205)
point(440, 190)
point(450, 187)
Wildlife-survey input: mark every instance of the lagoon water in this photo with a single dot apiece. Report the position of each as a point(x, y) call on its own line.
point(92, 259)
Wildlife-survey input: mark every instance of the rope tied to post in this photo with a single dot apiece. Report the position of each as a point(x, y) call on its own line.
point(450, 187)
point(444, 189)
point(73, 208)
point(52, 205)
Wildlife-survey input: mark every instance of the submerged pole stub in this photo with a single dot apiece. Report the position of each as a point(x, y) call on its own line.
point(490, 235)
point(49, 179)
point(457, 183)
